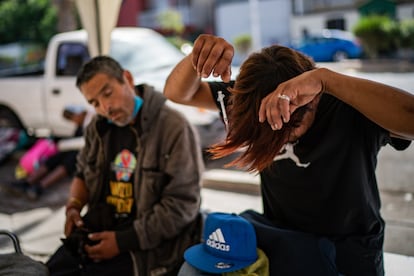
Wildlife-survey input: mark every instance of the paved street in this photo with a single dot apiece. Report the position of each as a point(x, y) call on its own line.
point(41, 228)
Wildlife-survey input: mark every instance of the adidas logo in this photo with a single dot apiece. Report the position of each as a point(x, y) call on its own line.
point(216, 240)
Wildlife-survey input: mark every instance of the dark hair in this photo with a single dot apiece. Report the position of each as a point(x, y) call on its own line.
point(99, 64)
point(259, 75)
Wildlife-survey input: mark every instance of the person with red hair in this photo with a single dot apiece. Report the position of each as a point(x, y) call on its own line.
point(311, 133)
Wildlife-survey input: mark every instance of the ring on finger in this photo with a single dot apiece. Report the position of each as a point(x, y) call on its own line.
point(284, 97)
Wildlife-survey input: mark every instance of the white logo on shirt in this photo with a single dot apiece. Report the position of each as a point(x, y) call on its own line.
point(288, 153)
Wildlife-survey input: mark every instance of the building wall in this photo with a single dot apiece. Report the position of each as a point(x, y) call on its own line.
point(237, 18)
point(278, 23)
point(405, 11)
point(315, 22)
point(128, 14)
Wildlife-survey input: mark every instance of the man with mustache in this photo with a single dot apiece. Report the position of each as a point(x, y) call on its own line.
point(140, 173)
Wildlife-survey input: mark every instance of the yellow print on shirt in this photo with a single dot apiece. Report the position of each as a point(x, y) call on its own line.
point(121, 196)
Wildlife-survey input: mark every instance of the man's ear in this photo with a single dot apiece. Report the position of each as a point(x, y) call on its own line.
point(128, 77)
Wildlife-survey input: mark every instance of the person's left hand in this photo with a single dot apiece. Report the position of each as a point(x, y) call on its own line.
point(277, 107)
point(107, 247)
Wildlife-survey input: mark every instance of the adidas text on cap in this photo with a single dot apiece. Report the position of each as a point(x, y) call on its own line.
point(229, 244)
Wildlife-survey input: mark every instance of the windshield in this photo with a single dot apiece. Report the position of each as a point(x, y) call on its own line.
point(145, 54)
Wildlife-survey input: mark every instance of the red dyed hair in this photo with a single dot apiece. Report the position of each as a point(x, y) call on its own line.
point(259, 75)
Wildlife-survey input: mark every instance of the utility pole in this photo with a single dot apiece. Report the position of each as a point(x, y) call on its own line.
point(255, 25)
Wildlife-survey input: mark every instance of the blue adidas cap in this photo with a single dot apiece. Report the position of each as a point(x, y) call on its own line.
point(229, 244)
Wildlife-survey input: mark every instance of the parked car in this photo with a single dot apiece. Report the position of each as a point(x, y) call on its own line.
point(34, 101)
point(330, 45)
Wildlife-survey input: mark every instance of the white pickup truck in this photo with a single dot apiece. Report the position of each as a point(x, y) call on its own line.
point(35, 102)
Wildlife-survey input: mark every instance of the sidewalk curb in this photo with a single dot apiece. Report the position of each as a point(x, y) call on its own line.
point(232, 181)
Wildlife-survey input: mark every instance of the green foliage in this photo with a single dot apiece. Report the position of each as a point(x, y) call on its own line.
point(171, 20)
point(372, 32)
point(243, 43)
point(407, 33)
point(27, 20)
point(381, 35)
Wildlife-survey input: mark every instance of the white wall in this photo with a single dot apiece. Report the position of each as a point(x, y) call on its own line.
point(233, 19)
point(316, 22)
point(405, 11)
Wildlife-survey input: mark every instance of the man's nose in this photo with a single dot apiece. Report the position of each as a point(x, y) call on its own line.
point(105, 107)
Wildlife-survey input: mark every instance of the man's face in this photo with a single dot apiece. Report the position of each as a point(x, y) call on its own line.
point(110, 98)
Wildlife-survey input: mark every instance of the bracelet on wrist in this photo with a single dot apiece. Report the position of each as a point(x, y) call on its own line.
point(73, 201)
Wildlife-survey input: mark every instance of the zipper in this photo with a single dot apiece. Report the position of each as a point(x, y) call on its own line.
point(220, 99)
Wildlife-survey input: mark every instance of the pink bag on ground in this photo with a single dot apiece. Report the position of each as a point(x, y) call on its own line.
point(40, 151)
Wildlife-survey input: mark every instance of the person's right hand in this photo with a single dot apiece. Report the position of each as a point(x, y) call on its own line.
point(73, 219)
point(212, 55)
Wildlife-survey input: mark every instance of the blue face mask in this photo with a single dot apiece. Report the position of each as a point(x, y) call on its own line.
point(138, 101)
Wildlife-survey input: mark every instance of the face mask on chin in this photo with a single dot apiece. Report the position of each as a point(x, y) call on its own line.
point(138, 101)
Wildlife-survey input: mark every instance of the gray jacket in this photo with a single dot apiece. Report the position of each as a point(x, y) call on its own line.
point(167, 183)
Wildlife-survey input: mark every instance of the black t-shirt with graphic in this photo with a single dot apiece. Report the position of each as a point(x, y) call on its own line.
point(326, 183)
point(120, 153)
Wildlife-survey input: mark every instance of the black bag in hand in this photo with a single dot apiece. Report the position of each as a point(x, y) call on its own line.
point(98, 218)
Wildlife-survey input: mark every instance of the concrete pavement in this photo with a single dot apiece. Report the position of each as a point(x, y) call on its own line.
point(41, 228)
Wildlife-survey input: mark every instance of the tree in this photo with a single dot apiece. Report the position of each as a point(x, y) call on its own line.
point(68, 19)
point(171, 20)
point(374, 32)
point(27, 21)
point(382, 36)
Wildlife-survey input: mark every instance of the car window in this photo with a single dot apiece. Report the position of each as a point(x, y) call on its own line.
point(70, 58)
point(145, 55)
point(18, 59)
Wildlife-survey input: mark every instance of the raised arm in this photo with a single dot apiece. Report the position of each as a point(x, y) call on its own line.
point(389, 107)
point(210, 55)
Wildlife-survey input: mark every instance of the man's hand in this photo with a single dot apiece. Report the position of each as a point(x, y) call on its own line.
point(212, 55)
point(73, 219)
point(107, 247)
point(277, 107)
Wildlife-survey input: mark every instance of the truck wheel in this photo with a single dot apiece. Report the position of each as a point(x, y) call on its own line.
point(9, 119)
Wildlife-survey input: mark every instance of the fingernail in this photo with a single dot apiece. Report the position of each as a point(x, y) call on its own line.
point(274, 126)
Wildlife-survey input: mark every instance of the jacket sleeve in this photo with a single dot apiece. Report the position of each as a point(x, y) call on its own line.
point(82, 155)
point(170, 194)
